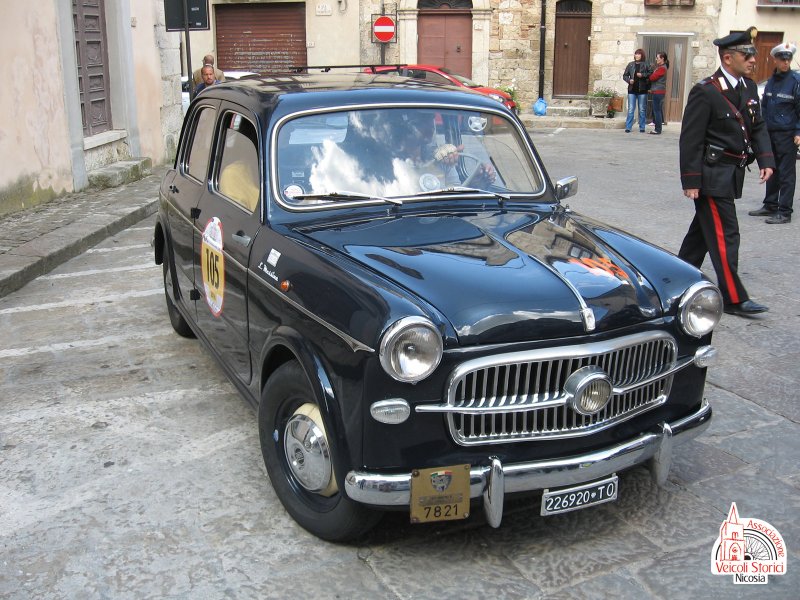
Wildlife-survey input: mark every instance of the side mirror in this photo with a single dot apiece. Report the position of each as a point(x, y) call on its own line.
point(566, 187)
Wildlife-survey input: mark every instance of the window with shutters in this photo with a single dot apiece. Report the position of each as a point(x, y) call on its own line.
point(92, 58)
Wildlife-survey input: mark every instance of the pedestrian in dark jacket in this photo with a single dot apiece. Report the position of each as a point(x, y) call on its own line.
point(635, 75)
point(658, 88)
point(722, 132)
point(781, 109)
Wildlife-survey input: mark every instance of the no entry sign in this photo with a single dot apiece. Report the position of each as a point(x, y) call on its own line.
point(384, 29)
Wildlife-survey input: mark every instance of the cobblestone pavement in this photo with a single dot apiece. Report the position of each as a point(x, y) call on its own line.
point(130, 467)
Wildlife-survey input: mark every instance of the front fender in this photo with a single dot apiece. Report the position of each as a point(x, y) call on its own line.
point(287, 344)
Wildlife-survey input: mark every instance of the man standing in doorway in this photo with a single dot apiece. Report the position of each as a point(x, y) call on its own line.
point(722, 132)
point(781, 109)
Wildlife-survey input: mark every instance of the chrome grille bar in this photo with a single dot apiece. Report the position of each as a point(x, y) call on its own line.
point(520, 396)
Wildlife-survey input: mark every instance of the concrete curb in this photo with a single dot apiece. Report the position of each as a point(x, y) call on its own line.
point(45, 253)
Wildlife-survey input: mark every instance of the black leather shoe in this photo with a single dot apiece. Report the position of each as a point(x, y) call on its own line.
point(779, 219)
point(762, 212)
point(745, 309)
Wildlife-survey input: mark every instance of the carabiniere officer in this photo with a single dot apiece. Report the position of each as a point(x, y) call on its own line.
point(721, 133)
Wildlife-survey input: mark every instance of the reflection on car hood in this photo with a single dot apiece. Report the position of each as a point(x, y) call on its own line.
point(504, 276)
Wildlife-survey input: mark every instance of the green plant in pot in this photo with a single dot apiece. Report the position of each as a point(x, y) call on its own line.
point(600, 101)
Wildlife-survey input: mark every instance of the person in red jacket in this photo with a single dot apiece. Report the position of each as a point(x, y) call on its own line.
point(658, 87)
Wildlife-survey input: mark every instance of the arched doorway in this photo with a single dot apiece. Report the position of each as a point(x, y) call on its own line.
point(445, 34)
point(571, 52)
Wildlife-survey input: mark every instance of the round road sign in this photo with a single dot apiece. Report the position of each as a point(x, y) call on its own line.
point(384, 29)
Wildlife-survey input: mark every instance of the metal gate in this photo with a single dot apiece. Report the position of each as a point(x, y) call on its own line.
point(262, 38)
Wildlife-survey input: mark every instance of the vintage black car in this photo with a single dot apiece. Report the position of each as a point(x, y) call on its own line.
point(384, 268)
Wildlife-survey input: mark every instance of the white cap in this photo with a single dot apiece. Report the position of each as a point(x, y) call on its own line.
point(784, 48)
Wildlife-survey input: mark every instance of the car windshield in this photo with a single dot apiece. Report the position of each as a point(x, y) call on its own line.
point(464, 80)
point(377, 154)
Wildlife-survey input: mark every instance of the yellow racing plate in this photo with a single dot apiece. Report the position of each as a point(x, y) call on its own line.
point(440, 494)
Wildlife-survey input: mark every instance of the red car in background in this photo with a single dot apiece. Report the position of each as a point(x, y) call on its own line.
point(445, 76)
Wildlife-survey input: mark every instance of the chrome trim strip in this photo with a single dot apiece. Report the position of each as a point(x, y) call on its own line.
point(354, 344)
point(585, 310)
point(395, 490)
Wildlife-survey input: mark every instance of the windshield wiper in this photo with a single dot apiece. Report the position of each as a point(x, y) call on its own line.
point(345, 196)
point(463, 190)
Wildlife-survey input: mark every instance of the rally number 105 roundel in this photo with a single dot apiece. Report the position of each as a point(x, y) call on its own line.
point(213, 266)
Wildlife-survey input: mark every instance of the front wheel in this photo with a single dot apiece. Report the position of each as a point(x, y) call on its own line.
point(299, 459)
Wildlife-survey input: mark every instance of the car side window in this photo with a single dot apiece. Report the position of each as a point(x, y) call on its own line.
point(200, 149)
point(436, 78)
point(238, 165)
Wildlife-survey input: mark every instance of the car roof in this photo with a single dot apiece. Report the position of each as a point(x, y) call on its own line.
point(295, 92)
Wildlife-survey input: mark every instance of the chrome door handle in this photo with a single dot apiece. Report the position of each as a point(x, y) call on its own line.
point(240, 238)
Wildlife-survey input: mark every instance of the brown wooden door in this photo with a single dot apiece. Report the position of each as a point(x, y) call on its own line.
point(90, 50)
point(445, 40)
point(765, 42)
point(262, 38)
point(676, 49)
point(571, 51)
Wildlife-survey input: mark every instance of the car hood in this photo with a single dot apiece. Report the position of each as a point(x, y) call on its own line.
point(503, 276)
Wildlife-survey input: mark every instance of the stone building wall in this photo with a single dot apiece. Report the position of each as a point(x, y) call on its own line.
point(615, 29)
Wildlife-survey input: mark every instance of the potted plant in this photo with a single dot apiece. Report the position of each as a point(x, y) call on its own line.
point(600, 99)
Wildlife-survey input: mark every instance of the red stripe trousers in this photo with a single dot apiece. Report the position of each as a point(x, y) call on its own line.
point(715, 231)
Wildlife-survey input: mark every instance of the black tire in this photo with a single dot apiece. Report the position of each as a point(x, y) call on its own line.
point(328, 513)
point(179, 324)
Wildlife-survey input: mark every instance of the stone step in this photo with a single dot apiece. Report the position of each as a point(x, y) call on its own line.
point(550, 121)
point(120, 173)
point(568, 110)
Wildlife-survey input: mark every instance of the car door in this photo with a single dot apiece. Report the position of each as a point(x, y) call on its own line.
point(227, 221)
point(188, 185)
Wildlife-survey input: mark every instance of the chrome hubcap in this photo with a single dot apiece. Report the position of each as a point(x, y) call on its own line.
point(307, 451)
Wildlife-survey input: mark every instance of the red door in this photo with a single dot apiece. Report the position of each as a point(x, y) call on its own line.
point(445, 40)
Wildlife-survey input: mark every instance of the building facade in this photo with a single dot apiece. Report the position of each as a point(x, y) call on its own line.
point(98, 81)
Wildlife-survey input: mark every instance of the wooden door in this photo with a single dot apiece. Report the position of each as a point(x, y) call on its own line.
point(445, 40)
point(765, 42)
point(676, 49)
point(91, 53)
point(571, 51)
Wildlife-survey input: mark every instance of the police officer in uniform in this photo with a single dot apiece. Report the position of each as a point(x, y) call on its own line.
point(781, 109)
point(722, 132)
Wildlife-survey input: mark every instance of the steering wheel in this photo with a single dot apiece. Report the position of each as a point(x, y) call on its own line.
point(475, 172)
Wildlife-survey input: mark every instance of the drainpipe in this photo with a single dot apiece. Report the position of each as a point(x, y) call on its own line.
point(542, 30)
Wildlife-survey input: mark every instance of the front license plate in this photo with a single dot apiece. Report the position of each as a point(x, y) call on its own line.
point(580, 496)
point(440, 494)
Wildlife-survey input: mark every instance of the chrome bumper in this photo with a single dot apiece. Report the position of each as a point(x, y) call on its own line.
point(492, 482)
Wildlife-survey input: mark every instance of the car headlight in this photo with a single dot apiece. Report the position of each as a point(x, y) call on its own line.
point(497, 97)
point(411, 349)
point(700, 309)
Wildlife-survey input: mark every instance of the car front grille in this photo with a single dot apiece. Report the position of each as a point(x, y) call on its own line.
point(520, 396)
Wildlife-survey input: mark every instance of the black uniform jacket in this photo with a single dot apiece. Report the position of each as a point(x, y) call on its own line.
point(710, 118)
